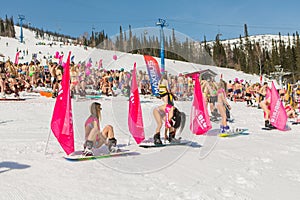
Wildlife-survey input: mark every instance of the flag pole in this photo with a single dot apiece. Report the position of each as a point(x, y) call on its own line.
point(46, 147)
point(128, 144)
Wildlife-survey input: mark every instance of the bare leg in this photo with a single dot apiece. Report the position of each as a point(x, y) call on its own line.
point(166, 134)
point(108, 132)
point(222, 113)
point(158, 120)
point(2, 85)
point(265, 109)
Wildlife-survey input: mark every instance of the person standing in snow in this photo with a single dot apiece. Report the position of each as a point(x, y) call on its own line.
point(2, 79)
point(164, 112)
point(221, 106)
point(265, 105)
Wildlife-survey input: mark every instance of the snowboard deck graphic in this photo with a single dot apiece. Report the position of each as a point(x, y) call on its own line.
point(150, 144)
point(93, 96)
point(12, 99)
point(77, 156)
point(235, 133)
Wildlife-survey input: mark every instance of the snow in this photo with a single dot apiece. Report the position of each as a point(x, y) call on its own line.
point(261, 165)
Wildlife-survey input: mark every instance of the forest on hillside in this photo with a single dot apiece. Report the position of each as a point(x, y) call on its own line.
point(247, 56)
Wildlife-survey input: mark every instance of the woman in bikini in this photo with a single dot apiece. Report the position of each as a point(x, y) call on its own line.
point(74, 80)
point(94, 137)
point(221, 103)
point(164, 112)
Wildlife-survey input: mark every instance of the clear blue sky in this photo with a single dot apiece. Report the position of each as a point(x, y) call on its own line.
point(194, 18)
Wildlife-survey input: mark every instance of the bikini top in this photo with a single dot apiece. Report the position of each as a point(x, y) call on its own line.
point(90, 122)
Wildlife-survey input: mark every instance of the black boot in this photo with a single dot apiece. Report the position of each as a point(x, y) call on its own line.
point(54, 94)
point(269, 125)
point(112, 145)
point(172, 138)
point(157, 139)
point(88, 148)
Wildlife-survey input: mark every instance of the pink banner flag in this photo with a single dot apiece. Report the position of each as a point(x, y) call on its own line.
point(100, 64)
point(56, 55)
point(62, 123)
point(17, 58)
point(89, 63)
point(135, 117)
point(278, 116)
point(199, 123)
point(154, 73)
point(61, 59)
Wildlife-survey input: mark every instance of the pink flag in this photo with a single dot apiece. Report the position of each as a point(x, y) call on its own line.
point(100, 64)
point(17, 58)
point(199, 123)
point(61, 59)
point(62, 123)
point(89, 63)
point(135, 117)
point(56, 55)
point(278, 116)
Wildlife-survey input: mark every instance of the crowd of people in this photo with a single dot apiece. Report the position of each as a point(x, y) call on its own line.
point(29, 76)
point(254, 95)
point(84, 80)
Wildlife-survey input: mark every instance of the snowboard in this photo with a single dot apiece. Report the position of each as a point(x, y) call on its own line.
point(287, 128)
point(296, 122)
point(267, 128)
point(47, 94)
point(230, 120)
point(77, 156)
point(12, 99)
point(152, 145)
point(234, 133)
point(214, 119)
point(218, 119)
point(93, 96)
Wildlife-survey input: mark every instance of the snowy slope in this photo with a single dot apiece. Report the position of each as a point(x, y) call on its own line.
point(262, 165)
point(265, 41)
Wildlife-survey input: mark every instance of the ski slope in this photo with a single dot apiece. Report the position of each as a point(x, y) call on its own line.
point(261, 165)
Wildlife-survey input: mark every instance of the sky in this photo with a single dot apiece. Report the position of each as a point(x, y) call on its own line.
point(194, 18)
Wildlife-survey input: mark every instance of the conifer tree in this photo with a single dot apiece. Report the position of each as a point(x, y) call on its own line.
point(121, 45)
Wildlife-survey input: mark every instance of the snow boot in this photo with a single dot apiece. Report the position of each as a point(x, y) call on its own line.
point(172, 138)
point(224, 129)
point(157, 139)
point(54, 94)
point(269, 125)
point(112, 145)
point(88, 148)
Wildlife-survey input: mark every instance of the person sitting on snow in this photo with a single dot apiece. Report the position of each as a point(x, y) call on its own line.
point(93, 136)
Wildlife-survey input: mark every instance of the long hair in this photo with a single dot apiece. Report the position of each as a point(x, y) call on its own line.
point(95, 106)
point(223, 85)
